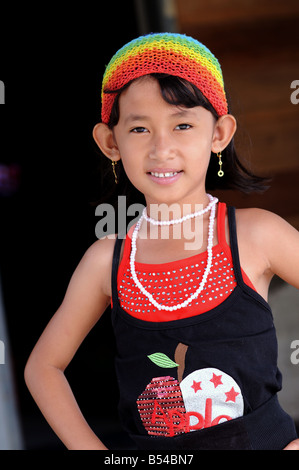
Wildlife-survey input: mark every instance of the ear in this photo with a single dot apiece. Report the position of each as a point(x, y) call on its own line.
point(104, 138)
point(224, 131)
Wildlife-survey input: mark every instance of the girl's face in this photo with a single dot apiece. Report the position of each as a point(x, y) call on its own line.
point(165, 149)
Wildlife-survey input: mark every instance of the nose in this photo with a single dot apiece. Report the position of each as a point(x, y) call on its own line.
point(162, 148)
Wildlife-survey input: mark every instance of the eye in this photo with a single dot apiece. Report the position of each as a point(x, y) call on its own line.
point(139, 130)
point(183, 127)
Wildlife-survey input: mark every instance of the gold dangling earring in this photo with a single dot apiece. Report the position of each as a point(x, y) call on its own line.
point(220, 172)
point(114, 172)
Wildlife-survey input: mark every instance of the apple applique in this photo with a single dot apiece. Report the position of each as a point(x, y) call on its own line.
point(204, 398)
point(161, 407)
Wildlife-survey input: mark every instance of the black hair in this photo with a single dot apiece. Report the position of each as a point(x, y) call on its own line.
point(180, 92)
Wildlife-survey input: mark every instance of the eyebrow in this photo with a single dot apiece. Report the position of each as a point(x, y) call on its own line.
point(183, 112)
point(136, 117)
point(144, 117)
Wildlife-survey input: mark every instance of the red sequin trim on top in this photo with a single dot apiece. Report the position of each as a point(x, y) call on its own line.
point(171, 283)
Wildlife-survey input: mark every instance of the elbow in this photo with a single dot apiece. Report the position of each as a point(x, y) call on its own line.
point(38, 371)
point(30, 372)
point(34, 370)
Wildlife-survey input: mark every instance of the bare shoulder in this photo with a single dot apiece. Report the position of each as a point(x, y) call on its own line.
point(261, 223)
point(89, 291)
point(97, 261)
point(267, 237)
point(101, 250)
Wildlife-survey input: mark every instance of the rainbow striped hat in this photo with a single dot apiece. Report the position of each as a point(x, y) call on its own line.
point(170, 53)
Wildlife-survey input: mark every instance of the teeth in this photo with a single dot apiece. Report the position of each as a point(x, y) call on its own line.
point(164, 175)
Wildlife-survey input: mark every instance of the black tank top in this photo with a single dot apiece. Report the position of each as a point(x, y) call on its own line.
point(204, 382)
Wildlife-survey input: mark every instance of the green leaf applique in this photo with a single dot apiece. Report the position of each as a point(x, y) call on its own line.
point(162, 360)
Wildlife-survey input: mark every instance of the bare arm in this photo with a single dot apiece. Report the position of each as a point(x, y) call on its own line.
point(87, 297)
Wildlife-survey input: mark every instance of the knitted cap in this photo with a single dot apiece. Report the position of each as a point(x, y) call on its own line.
point(170, 53)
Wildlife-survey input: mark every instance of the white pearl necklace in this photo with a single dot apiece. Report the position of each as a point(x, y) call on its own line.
point(211, 206)
point(213, 200)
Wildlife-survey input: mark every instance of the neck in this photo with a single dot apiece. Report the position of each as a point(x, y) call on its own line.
point(163, 214)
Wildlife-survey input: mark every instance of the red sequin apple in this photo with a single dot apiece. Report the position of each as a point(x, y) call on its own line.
point(204, 398)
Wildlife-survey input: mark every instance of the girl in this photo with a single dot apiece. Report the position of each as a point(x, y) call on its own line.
point(196, 345)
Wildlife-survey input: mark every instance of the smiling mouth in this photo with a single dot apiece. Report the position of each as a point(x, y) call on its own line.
point(166, 174)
